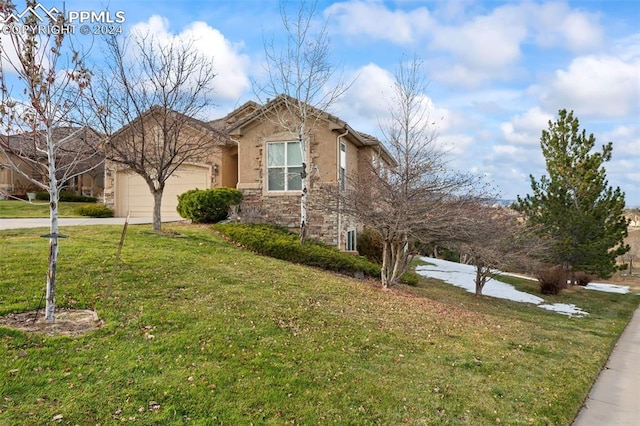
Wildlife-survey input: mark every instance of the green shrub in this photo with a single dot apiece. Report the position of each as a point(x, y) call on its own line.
point(66, 197)
point(283, 244)
point(207, 205)
point(410, 278)
point(370, 244)
point(94, 210)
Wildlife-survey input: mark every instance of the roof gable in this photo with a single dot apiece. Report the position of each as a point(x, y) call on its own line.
point(250, 113)
point(193, 123)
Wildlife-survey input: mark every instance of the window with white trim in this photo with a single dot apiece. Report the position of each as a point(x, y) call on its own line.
point(343, 166)
point(351, 240)
point(284, 166)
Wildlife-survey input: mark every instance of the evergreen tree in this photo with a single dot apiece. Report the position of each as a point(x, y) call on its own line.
point(574, 204)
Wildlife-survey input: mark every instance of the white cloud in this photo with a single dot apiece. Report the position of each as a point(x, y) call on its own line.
point(364, 103)
point(372, 19)
point(555, 24)
point(526, 129)
point(505, 149)
point(597, 86)
point(486, 42)
point(580, 32)
point(231, 80)
point(626, 141)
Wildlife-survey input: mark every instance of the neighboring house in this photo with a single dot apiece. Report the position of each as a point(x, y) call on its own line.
point(128, 193)
point(20, 151)
point(634, 219)
point(263, 160)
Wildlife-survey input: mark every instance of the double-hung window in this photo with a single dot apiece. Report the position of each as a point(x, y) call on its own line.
point(284, 166)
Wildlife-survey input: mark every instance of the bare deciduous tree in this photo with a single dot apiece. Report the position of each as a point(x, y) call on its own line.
point(418, 199)
point(149, 95)
point(301, 70)
point(42, 81)
point(498, 240)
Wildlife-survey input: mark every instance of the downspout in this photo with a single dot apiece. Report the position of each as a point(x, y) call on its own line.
point(346, 132)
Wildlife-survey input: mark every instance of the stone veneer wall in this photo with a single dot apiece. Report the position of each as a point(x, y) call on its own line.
point(325, 223)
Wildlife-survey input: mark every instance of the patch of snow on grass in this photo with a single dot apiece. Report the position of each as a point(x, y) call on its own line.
point(609, 288)
point(564, 308)
point(524, 277)
point(463, 276)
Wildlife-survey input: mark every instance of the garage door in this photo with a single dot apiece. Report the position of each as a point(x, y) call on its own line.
point(133, 195)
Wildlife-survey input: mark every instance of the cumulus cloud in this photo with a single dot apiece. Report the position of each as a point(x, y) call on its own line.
point(556, 24)
point(476, 47)
point(373, 19)
point(364, 104)
point(366, 107)
point(597, 86)
point(626, 141)
point(231, 80)
point(486, 42)
point(525, 129)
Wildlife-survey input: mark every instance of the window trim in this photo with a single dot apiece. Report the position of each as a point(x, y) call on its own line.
point(285, 167)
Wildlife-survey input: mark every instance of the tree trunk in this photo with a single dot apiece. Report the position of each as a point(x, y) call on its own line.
point(394, 261)
point(157, 208)
point(303, 205)
point(479, 280)
point(303, 197)
point(50, 307)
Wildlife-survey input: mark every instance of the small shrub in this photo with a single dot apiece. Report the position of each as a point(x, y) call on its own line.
point(94, 210)
point(370, 244)
point(282, 244)
point(582, 278)
point(552, 280)
point(208, 205)
point(410, 278)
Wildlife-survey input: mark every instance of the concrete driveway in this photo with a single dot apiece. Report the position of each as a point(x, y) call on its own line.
point(44, 222)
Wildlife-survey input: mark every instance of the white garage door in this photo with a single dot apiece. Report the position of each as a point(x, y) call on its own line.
point(133, 195)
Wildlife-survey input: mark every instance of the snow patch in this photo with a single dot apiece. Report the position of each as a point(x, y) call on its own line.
point(564, 308)
point(463, 276)
point(608, 288)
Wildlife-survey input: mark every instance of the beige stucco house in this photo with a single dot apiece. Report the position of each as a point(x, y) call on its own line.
point(79, 149)
point(210, 162)
point(261, 156)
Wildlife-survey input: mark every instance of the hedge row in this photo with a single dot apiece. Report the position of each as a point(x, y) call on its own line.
point(94, 210)
point(65, 196)
point(283, 244)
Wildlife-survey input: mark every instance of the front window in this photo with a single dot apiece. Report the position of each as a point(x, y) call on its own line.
point(284, 166)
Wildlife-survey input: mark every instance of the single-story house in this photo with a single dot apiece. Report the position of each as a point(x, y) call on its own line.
point(214, 164)
point(261, 157)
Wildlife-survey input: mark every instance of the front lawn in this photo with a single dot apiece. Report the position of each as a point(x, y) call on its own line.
point(199, 331)
point(24, 209)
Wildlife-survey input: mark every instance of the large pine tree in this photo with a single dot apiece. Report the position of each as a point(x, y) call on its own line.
point(574, 205)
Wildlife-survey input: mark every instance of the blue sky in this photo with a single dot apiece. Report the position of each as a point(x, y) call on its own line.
point(498, 71)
